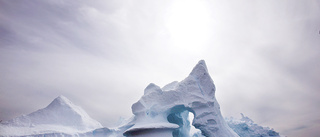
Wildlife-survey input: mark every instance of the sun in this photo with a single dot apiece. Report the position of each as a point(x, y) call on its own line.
point(188, 23)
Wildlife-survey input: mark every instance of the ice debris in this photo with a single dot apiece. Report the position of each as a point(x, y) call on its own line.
point(245, 127)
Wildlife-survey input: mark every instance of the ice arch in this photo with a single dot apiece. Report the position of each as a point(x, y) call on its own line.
point(161, 107)
point(180, 115)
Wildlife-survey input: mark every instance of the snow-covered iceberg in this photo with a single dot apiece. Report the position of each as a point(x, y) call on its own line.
point(169, 106)
point(60, 117)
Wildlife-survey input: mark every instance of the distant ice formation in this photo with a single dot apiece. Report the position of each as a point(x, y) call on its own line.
point(245, 127)
point(60, 116)
point(160, 112)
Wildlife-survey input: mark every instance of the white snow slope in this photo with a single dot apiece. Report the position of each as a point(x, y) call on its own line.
point(60, 116)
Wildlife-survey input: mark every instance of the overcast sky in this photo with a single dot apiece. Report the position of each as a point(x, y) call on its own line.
point(262, 55)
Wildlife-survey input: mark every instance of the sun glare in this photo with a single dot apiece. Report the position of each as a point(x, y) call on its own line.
point(188, 24)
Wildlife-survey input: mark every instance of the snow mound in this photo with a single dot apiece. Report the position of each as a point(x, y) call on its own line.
point(170, 104)
point(245, 127)
point(61, 115)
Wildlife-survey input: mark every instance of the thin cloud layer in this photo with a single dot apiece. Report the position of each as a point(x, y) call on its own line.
point(263, 56)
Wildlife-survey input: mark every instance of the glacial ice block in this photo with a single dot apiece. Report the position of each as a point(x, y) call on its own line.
point(195, 94)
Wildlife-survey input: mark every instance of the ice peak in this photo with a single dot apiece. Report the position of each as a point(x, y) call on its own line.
point(199, 69)
point(60, 101)
point(151, 88)
point(62, 98)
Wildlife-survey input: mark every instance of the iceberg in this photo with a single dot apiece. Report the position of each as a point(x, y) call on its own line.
point(61, 117)
point(170, 105)
point(245, 127)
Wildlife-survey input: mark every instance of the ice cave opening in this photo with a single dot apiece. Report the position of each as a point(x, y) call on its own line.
point(183, 117)
point(194, 132)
